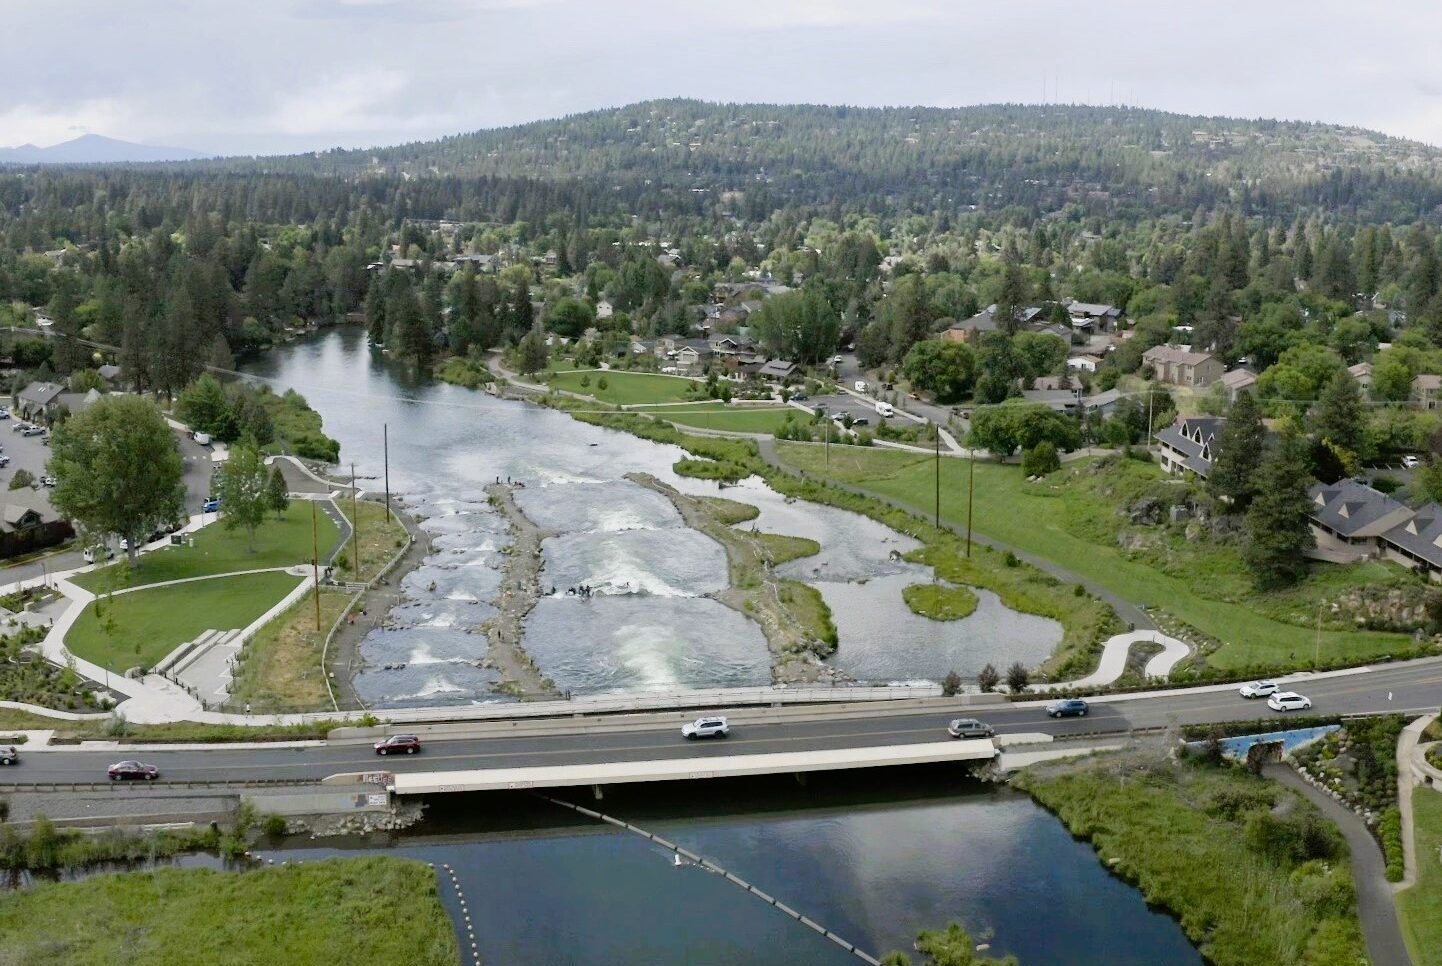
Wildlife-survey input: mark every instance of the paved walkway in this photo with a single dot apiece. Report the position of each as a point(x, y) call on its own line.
point(1113, 661)
point(1375, 906)
point(1407, 753)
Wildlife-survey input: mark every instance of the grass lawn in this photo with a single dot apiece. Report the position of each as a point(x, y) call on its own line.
point(149, 624)
point(1420, 907)
point(380, 537)
point(1252, 870)
point(335, 911)
point(1038, 519)
point(281, 670)
point(626, 388)
point(736, 419)
point(940, 602)
point(278, 543)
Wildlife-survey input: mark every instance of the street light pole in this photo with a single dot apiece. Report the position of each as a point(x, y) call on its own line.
point(936, 522)
point(315, 563)
point(970, 489)
point(386, 449)
point(355, 522)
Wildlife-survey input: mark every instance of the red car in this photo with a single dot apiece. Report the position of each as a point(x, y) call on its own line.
point(397, 744)
point(132, 769)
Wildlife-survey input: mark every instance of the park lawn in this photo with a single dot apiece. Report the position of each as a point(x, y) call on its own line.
point(1420, 907)
point(332, 911)
point(150, 623)
point(939, 601)
point(626, 388)
point(281, 668)
point(1186, 836)
point(380, 534)
point(737, 419)
point(1036, 519)
point(278, 543)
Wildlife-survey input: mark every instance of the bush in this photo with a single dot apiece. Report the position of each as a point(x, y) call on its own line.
point(602, 384)
point(22, 479)
point(951, 684)
point(1389, 830)
point(273, 825)
point(987, 678)
point(1017, 677)
point(1040, 460)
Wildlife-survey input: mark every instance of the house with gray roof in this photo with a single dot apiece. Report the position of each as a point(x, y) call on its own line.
point(1417, 543)
point(39, 400)
point(1190, 444)
point(1237, 381)
point(1350, 520)
point(778, 370)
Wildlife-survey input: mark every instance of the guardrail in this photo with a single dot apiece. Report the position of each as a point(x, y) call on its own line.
point(58, 786)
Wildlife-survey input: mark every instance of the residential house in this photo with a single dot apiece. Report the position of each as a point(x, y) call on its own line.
point(1350, 518)
point(1362, 372)
point(1426, 391)
point(1190, 444)
point(1237, 381)
point(39, 400)
point(604, 309)
point(1093, 316)
point(691, 355)
point(111, 375)
point(28, 523)
point(778, 370)
point(969, 330)
point(1057, 400)
point(74, 402)
point(1083, 363)
point(1417, 543)
point(1182, 367)
point(483, 263)
point(1102, 402)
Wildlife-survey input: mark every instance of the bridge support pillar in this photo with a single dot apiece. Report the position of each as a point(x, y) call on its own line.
point(596, 791)
point(800, 777)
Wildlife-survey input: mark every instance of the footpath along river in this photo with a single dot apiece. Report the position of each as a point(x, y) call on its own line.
point(648, 625)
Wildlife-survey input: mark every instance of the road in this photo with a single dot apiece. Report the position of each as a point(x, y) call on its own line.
point(850, 370)
point(639, 737)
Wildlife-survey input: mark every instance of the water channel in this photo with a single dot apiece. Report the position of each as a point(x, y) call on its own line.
point(649, 625)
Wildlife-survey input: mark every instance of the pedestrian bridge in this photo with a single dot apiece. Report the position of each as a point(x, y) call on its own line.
point(688, 768)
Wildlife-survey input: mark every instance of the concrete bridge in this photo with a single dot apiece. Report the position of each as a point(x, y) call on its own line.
point(598, 774)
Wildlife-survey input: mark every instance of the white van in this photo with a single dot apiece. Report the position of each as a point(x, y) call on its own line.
point(884, 410)
point(861, 385)
point(203, 439)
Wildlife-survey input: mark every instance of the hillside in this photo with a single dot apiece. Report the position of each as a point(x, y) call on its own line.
point(1037, 157)
point(94, 149)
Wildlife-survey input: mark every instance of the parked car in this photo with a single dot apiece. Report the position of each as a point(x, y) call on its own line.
point(969, 728)
point(398, 744)
point(1288, 701)
point(124, 770)
point(8, 755)
point(202, 439)
point(1067, 708)
point(47, 481)
point(1258, 689)
point(17, 426)
point(706, 728)
point(836, 361)
point(1411, 462)
point(4, 460)
point(211, 505)
point(885, 409)
point(798, 397)
point(4, 414)
point(31, 431)
point(861, 385)
point(861, 421)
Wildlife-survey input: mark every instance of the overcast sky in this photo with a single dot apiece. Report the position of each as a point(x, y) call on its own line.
point(264, 76)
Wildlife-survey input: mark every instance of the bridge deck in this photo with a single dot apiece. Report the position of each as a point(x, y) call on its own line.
point(699, 766)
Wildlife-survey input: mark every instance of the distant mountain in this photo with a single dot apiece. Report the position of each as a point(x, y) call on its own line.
point(95, 149)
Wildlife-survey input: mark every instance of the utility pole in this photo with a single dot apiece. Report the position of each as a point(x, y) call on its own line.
point(1317, 649)
point(315, 563)
point(386, 448)
point(1151, 394)
point(355, 522)
point(828, 442)
point(936, 522)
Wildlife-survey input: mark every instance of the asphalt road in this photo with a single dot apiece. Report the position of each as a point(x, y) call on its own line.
point(1413, 687)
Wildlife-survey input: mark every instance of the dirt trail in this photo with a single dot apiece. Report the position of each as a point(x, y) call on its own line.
point(756, 591)
point(520, 589)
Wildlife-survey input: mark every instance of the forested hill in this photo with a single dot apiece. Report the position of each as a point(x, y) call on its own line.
point(894, 160)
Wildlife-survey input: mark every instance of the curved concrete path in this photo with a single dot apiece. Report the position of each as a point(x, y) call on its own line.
point(1113, 661)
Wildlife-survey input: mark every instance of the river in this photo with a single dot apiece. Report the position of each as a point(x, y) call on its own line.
point(649, 625)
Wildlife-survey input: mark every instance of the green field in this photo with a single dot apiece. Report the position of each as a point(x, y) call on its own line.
point(1420, 907)
point(1051, 524)
point(149, 624)
point(334, 911)
point(626, 388)
point(278, 543)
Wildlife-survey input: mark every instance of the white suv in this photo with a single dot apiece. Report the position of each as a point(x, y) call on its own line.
point(706, 728)
point(1288, 701)
point(1258, 689)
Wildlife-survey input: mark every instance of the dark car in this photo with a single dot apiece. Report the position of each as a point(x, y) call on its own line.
point(398, 744)
point(8, 755)
point(122, 770)
point(969, 728)
point(1067, 708)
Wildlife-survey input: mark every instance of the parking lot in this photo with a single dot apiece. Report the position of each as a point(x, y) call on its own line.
point(845, 403)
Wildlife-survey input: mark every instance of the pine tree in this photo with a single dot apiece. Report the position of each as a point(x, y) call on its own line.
point(1278, 526)
point(279, 492)
point(1240, 446)
point(1338, 416)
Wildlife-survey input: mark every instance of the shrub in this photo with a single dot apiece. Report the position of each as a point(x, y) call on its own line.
point(988, 678)
point(273, 825)
point(602, 384)
point(951, 684)
point(22, 479)
point(1040, 460)
point(1017, 677)
point(1389, 830)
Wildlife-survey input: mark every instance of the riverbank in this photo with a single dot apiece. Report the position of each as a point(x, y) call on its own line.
point(793, 616)
point(1252, 871)
point(333, 911)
